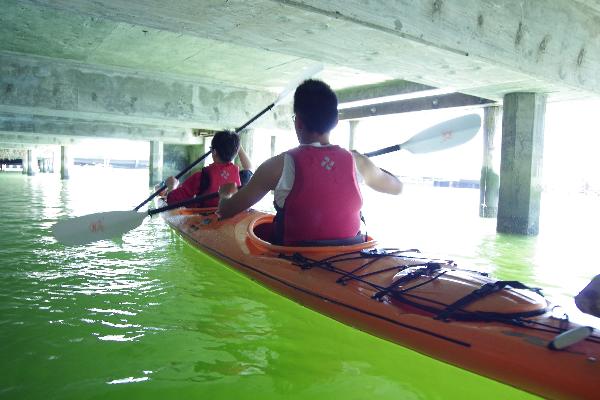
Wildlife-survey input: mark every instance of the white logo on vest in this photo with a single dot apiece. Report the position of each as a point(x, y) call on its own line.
point(327, 163)
point(224, 175)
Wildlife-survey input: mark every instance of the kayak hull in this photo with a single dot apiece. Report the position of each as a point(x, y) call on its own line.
point(506, 352)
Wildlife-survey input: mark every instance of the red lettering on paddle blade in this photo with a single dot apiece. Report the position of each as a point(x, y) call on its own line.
point(96, 226)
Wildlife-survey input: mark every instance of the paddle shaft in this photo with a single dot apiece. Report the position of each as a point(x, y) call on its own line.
point(385, 150)
point(199, 160)
point(267, 108)
point(183, 203)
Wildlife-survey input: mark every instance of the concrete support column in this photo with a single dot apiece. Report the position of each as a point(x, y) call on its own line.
point(273, 145)
point(247, 141)
point(43, 162)
point(32, 163)
point(521, 164)
point(490, 179)
point(156, 162)
point(52, 163)
point(25, 162)
point(194, 152)
point(65, 162)
point(352, 134)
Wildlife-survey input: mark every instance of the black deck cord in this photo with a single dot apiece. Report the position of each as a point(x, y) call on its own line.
point(467, 315)
point(307, 263)
point(376, 255)
point(480, 293)
point(428, 268)
point(350, 275)
point(422, 283)
point(315, 263)
point(464, 315)
point(381, 271)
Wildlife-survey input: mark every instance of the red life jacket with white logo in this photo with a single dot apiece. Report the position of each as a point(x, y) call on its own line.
point(213, 177)
point(324, 202)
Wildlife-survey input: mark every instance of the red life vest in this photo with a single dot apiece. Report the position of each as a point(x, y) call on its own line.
point(325, 201)
point(213, 177)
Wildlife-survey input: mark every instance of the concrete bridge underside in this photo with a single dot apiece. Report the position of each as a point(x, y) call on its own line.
point(158, 71)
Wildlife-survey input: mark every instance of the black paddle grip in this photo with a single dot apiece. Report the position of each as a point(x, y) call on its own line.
point(385, 150)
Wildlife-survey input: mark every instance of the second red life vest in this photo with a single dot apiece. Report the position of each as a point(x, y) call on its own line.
point(217, 175)
point(325, 201)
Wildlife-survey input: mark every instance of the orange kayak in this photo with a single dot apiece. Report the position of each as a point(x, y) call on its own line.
point(501, 330)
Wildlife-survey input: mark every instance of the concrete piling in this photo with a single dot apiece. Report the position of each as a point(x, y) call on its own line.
point(156, 162)
point(490, 179)
point(32, 167)
point(65, 162)
point(521, 164)
point(25, 162)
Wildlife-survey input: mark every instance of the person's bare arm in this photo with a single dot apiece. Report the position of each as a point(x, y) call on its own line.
point(375, 177)
point(264, 179)
point(244, 160)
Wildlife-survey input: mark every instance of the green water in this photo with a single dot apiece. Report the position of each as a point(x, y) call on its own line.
point(151, 318)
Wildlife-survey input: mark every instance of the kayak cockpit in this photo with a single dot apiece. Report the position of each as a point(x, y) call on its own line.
point(260, 236)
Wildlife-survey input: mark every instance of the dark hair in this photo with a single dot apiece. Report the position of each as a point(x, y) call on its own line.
point(226, 144)
point(316, 104)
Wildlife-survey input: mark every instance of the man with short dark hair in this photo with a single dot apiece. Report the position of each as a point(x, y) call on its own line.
point(225, 145)
point(315, 185)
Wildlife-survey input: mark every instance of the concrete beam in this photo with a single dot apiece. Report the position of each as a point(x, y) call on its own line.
point(32, 140)
point(11, 152)
point(548, 39)
point(22, 146)
point(383, 89)
point(53, 129)
point(419, 104)
point(474, 46)
point(593, 4)
point(44, 87)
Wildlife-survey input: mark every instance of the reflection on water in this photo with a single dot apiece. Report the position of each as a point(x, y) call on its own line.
point(149, 317)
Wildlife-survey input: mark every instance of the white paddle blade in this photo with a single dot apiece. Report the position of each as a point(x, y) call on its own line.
point(444, 135)
point(307, 73)
point(92, 227)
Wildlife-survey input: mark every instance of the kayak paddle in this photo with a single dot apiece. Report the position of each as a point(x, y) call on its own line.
point(106, 225)
point(442, 136)
point(306, 74)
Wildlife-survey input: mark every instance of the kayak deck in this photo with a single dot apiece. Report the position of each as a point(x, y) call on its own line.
point(502, 332)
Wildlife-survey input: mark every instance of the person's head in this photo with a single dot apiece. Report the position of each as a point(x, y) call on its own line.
point(316, 106)
point(226, 145)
